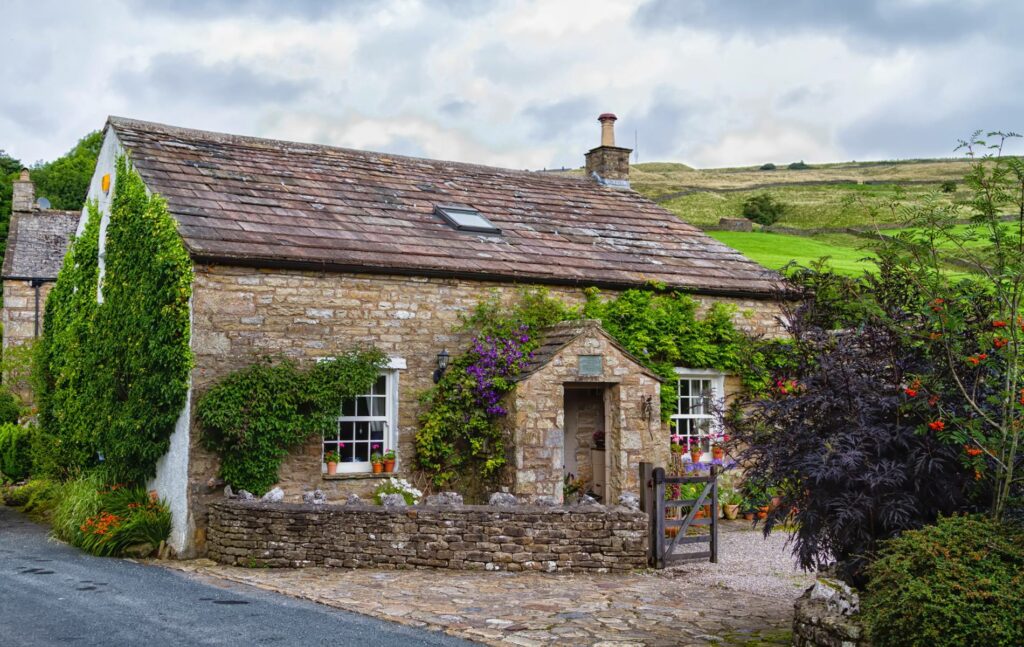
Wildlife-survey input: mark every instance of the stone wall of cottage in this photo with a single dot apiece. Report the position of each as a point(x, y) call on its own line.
point(585, 538)
point(241, 314)
point(633, 428)
point(19, 311)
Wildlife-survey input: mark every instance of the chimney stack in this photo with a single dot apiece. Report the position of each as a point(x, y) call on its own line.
point(608, 164)
point(24, 195)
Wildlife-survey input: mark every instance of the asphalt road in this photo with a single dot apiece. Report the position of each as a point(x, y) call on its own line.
point(53, 594)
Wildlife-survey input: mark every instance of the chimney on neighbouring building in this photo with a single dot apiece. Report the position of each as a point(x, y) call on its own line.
point(24, 194)
point(608, 163)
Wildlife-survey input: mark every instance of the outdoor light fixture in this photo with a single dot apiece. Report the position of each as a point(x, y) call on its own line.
point(442, 364)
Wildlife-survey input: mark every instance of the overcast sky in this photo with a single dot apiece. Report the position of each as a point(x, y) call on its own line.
point(520, 83)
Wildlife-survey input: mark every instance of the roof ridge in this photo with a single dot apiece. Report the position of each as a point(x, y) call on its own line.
point(275, 144)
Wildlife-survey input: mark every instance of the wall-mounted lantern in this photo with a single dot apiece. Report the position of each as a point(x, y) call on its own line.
point(442, 364)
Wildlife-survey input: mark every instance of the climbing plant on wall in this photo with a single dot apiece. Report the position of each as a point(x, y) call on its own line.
point(114, 372)
point(253, 417)
point(461, 439)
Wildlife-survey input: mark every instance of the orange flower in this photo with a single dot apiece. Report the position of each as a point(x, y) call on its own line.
point(937, 425)
point(934, 400)
point(937, 305)
point(977, 475)
point(983, 356)
point(972, 451)
point(998, 324)
point(973, 359)
point(910, 392)
point(935, 335)
point(999, 342)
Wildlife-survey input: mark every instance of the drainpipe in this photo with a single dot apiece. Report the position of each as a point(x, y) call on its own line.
point(36, 284)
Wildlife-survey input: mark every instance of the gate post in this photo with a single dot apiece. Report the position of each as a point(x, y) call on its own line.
point(646, 486)
point(657, 517)
point(714, 513)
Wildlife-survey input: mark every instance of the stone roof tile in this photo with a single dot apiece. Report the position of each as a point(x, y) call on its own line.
point(37, 241)
point(260, 202)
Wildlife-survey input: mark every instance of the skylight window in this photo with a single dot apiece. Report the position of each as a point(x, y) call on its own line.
point(465, 219)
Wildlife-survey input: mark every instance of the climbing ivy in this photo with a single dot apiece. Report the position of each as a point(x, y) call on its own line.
point(461, 437)
point(113, 374)
point(253, 417)
point(663, 331)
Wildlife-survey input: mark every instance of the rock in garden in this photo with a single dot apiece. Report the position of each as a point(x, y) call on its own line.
point(392, 500)
point(547, 501)
point(228, 492)
point(246, 495)
point(444, 498)
point(837, 595)
point(586, 499)
point(316, 497)
point(353, 499)
point(503, 499)
point(139, 550)
point(274, 496)
point(629, 500)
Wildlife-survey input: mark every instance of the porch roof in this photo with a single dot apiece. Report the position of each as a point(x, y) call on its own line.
point(557, 337)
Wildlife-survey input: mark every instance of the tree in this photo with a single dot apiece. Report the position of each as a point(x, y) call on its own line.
point(764, 209)
point(852, 465)
point(973, 327)
point(65, 180)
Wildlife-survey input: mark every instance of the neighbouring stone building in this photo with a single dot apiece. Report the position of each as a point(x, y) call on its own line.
point(305, 251)
point(37, 239)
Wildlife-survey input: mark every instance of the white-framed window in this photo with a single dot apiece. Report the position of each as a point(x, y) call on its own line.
point(699, 394)
point(366, 424)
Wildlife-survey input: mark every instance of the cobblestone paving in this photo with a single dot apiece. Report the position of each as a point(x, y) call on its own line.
point(747, 599)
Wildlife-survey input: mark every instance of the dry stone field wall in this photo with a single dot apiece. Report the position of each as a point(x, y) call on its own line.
point(472, 537)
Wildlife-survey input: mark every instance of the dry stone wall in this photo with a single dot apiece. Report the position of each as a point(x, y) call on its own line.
point(580, 538)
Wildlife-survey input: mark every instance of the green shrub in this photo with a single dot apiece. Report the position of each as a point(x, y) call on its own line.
point(764, 209)
point(395, 485)
point(798, 166)
point(10, 407)
point(949, 186)
point(37, 498)
point(15, 451)
point(108, 520)
point(253, 417)
point(959, 582)
point(768, 167)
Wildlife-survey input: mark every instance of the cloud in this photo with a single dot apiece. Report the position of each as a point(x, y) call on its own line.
point(551, 120)
point(896, 23)
point(178, 76)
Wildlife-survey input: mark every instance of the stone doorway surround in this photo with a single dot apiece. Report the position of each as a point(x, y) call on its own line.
point(574, 355)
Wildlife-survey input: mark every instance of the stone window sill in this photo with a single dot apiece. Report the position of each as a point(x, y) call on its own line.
point(356, 476)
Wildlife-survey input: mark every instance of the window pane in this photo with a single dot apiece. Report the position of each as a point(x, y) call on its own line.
point(684, 388)
point(348, 407)
point(377, 431)
point(378, 406)
point(362, 431)
point(362, 452)
point(684, 406)
point(346, 431)
point(380, 386)
point(347, 452)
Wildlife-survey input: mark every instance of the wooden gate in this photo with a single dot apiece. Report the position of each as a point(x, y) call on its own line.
point(661, 549)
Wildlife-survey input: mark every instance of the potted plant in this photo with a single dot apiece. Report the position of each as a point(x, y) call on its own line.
point(731, 500)
point(389, 460)
point(695, 451)
point(332, 458)
point(718, 446)
point(376, 459)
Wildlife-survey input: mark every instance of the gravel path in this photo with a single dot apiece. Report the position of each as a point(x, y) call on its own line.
point(750, 563)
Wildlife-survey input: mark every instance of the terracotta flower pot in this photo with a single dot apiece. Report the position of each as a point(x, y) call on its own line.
point(707, 511)
point(671, 531)
point(700, 514)
point(717, 453)
point(389, 466)
point(762, 512)
point(378, 468)
point(749, 516)
point(731, 511)
point(332, 468)
point(695, 455)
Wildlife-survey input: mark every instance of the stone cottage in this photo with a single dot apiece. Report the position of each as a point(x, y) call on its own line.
point(37, 239)
point(305, 250)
